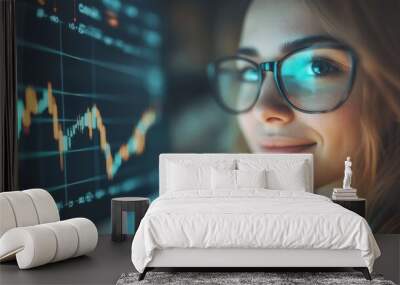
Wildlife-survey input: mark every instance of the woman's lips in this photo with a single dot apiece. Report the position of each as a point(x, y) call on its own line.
point(286, 144)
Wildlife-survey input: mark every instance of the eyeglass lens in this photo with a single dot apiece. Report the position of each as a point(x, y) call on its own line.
point(238, 82)
point(315, 79)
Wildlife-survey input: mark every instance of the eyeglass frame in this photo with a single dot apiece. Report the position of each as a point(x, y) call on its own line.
point(275, 68)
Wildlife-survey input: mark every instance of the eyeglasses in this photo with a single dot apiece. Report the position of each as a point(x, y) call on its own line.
point(313, 79)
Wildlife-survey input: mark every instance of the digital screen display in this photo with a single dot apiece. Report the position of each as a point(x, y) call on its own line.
point(90, 95)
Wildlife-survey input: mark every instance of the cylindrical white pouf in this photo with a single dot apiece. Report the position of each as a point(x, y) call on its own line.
point(23, 208)
point(67, 239)
point(34, 245)
point(87, 234)
point(45, 205)
point(7, 218)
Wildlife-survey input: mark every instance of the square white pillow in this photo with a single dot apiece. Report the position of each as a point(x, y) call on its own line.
point(251, 178)
point(193, 174)
point(290, 175)
point(223, 179)
point(290, 179)
point(229, 180)
point(188, 177)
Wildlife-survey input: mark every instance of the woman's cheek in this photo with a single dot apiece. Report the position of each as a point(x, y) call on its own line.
point(339, 134)
point(345, 127)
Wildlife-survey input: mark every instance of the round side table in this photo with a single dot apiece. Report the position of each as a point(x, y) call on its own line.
point(138, 205)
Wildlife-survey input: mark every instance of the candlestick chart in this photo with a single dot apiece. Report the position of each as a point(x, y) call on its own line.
point(89, 107)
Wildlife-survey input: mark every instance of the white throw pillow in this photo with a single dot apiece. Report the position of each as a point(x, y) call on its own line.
point(223, 179)
point(229, 180)
point(290, 179)
point(188, 177)
point(251, 178)
point(281, 174)
point(193, 174)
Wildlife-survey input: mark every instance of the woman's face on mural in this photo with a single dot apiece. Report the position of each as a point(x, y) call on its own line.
point(274, 127)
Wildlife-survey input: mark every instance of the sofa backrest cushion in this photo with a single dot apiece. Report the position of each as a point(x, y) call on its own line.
point(26, 208)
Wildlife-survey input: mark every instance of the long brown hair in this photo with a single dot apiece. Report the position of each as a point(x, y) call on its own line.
point(372, 26)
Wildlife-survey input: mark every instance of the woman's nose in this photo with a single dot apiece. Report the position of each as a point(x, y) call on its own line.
point(271, 108)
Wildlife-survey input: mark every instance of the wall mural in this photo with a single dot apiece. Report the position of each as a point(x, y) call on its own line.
point(105, 86)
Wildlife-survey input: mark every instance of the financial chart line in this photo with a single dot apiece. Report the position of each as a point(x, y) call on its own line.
point(107, 97)
point(111, 121)
point(125, 172)
point(91, 179)
point(91, 120)
point(49, 153)
point(129, 70)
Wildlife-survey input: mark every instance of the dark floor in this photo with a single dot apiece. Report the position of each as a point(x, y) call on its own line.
point(110, 260)
point(103, 266)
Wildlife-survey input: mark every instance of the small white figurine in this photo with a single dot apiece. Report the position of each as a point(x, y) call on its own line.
point(347, 174)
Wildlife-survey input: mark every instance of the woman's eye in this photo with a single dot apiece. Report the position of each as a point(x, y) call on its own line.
point(322, 67)
point(250, 75)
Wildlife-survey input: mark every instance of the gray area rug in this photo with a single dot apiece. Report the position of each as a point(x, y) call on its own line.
point(230, 278)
